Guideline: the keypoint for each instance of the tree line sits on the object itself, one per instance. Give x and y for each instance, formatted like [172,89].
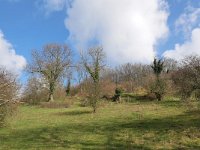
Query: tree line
[52,71]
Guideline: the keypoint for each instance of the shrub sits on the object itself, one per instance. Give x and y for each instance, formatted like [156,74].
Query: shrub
[35,91]
[187,77]
[7,110]
[84,102]
[8,94]
[158,87]
[118,94]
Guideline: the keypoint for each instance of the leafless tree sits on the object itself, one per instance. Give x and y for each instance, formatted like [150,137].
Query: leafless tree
[51,63]
[187,77]
[9,88]
[133,75]
[94,61]
[82,76]
[35,91]
[170,65]
[8,85]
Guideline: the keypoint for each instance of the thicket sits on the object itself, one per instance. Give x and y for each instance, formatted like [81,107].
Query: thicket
[9,88]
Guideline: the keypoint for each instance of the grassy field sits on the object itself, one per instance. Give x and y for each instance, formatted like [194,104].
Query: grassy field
[134,125]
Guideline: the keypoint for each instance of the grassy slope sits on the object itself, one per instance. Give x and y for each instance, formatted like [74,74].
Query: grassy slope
[137,125]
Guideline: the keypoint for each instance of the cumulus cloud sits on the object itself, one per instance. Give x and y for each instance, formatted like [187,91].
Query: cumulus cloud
[189,47]
[127,29]
[8,58]
[188,21]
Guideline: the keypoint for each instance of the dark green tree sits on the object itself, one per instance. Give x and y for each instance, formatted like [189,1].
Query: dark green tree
[158,87]
[158,66]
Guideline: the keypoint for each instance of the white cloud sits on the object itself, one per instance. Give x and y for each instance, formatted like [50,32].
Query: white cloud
[188,21]
[8,58]
[53,5]
[190,47]
[127,29]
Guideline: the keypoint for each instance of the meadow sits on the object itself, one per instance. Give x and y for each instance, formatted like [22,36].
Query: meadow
[169,124]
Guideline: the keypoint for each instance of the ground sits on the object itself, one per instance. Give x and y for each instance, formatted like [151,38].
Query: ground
[170,124]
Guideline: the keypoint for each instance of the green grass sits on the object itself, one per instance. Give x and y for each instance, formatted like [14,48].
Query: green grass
[135,125]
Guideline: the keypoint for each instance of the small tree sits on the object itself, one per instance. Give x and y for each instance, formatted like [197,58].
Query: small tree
[51,63]
[8,93]
[93,62]
[158,87]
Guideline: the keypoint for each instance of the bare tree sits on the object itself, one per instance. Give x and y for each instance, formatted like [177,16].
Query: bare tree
[81,75]
[187,77]
[35,91]
[8,85]
[133,75]
[93,61]
[170,65]
[51,63]
[8,93]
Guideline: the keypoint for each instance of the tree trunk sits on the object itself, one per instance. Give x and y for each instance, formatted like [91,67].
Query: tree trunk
[51,99]
[51,91]
[158,96]
[94,109]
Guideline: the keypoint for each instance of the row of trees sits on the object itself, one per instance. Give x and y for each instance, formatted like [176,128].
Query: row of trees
[52,68]
[53,65]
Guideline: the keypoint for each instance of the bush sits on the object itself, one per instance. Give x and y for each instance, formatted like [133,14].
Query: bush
[118,94]
[8,94]
[187,77]
[7,110]
[85,102]
[35,91]
[158,87]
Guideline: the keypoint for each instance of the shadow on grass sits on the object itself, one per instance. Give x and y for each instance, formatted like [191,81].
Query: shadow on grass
[140,98]
[74,113]
[105,135]
[171,103]
[148,99]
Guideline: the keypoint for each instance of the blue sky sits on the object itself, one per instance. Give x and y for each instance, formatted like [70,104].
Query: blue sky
[129,30]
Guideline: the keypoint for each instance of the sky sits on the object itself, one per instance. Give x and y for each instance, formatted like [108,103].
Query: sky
[132,31]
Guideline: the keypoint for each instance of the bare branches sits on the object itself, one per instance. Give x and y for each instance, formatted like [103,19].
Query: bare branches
[51,63]
[8,93]
[8,85]
[93,62]
[4,102]
[187,77]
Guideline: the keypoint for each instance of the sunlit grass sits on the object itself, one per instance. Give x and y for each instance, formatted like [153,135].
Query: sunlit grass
[135,125]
